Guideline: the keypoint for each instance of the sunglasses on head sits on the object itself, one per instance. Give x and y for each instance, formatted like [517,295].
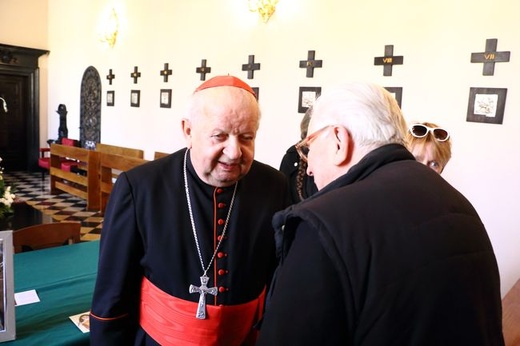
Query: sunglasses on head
[420,131]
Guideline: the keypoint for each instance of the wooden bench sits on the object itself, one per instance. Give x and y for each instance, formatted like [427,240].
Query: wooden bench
[86,185]
[110,165]
[159,154]
[511,316]
[117,150]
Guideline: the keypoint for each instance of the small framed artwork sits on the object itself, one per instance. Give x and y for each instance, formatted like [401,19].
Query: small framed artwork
[135,97]
[397,92]
[486,105]
[307,97]
[257,92]
[111,98]
[165,100]
[7,317]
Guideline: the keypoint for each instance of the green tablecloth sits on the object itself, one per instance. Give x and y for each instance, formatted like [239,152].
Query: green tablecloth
[63,278]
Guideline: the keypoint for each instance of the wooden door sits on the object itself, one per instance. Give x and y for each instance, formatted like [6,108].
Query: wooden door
[15,123]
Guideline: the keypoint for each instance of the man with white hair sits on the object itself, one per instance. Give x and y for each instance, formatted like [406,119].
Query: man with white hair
[386,252]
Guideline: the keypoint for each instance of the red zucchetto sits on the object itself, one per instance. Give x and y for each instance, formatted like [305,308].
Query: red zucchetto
[225,81]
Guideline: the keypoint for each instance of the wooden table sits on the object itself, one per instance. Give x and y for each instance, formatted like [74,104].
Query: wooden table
[24,215]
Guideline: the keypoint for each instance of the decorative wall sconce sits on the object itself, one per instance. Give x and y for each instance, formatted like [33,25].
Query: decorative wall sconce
[265,8]
[110,29]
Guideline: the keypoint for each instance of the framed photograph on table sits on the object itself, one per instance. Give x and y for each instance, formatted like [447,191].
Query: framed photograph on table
[7,317]
[111,98]
[397,92]
[307,97]
[166,98]
[486,105]
[135,96]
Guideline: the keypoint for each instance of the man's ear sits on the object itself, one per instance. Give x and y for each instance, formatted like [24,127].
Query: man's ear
[344,146]
[186,130]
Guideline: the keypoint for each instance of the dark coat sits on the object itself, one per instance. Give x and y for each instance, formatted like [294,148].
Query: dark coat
[388,254]
[147,232]
[289,166]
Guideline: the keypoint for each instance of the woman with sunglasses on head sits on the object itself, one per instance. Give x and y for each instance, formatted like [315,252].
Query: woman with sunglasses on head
[430,144]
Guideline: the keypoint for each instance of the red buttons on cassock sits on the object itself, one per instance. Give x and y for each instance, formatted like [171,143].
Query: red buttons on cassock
[222,289]
[221,221]
[222,272]
[219,190]
[221,254]
[221,205]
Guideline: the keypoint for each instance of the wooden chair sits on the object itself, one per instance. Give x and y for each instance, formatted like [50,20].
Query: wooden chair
[46,235]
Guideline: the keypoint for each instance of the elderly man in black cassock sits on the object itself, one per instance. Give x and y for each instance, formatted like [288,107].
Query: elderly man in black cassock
[187,247]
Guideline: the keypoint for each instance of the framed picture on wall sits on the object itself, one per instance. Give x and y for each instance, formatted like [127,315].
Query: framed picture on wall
[397,92]
[7,317]
[486,105]
[307,97]
[166,98]
[257,92]
[111,98]
[135,96]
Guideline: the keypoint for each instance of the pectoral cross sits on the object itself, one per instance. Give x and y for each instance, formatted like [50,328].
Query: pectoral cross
[203,290]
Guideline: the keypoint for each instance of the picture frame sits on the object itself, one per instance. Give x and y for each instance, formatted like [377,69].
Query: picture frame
[135,98]
[306,98]
[397,92]
[165,99]
[486,105]
[111,98]
[7,305]
[257,92]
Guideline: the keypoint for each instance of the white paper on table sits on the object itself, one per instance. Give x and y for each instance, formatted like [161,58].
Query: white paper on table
[26,297]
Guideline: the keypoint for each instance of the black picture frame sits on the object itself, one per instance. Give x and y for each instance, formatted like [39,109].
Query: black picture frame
[306,98]
[111,97]
[486,105]
[397,92]
[135,98]
[8,325]
[257,92]
[165,98]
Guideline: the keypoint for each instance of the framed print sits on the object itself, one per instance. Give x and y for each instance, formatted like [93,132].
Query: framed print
[486,105]
[135,96]
[110,98]
[166,98]
[257,92]
[307,97]
[7,318]
[397,92]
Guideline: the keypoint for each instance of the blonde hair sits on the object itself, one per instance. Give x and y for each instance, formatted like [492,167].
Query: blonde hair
[442,150]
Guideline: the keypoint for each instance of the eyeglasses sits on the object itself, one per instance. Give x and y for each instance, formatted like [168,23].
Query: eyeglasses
[302,147]
[420,131]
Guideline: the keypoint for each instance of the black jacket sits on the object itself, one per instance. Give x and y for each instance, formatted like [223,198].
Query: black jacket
[388,254]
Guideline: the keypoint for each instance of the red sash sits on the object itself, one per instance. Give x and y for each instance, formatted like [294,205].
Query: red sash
[171,321]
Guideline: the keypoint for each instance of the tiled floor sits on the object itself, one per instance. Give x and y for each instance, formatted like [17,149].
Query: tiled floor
[63,207]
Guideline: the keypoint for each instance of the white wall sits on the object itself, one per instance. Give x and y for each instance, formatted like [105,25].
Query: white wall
[436,39]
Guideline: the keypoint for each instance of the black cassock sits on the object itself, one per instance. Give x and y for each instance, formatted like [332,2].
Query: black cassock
[147,232]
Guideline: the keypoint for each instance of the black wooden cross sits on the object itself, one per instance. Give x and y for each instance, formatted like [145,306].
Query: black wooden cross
[135,74]
[110,76]
[388,60]
[310,64]
[250,67]
[490,57]
[166,72]
[203,69]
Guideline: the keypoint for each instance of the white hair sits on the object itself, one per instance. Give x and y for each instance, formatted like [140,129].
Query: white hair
[369,112]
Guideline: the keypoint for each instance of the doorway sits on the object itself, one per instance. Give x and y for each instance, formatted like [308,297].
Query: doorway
[20,125]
